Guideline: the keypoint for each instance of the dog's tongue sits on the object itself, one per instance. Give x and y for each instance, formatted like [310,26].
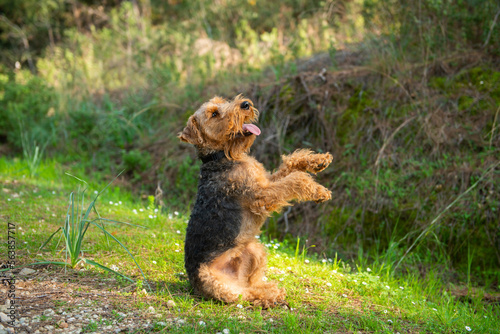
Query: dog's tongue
[251,128]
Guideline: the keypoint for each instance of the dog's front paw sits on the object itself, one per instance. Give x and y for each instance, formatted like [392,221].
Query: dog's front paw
[319,161]
[322,195]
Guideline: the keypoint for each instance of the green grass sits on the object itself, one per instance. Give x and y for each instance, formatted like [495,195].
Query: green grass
[325,295]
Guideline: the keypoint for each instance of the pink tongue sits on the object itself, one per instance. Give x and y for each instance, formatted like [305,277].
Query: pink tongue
[251,128]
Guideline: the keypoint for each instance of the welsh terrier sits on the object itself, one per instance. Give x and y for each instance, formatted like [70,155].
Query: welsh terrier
[223,258]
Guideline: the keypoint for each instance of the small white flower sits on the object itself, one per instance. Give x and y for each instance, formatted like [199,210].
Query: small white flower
[156,210]
[281,279]
[485,317]
[116,204]
[202,323]
[401,288]
[276,246]
[154,216]
[306,261]
[53,192]
[271,320]
[385,311]
[170,216]
[176,213]
[368,269]
[113,267]
[388,287]
[225,331]
[341,275]
[178,232]
[134,211]
[151,216]
[96,192]
[120,202]
[239,306]
[480,82]
[141,210]
[8,199]
[264,278]
[111,202]
[177,244]
[288,268]
[434,309]
[330,260]
[177,251]
[364,283]
[271,268]
[467,327]
[20,228]
[355,281]
[257,236]
[344,295]
[334,271]
[328,284]
[154,262]
[324,260]
[390,321]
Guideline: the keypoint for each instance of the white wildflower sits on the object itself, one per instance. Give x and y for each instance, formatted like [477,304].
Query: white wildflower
[257,236]
[176,213]
[134,211]
[324,260]
[113,267]
[264,278]
[328,284]
[96,192]
[111,202]
[468,328]
[202,323]
[434,309]
[225,331]
[178,232]
[364,283]
[151,216]
[368,269]
[141,210]
[288,268]
[120,202]
[401,288]
[390,321]
[388,287]
[344,295]
[154,262]
[170,216]
[306,261]
[239,306]
[385,311]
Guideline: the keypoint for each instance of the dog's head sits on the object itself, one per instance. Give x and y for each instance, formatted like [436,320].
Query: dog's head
[221,125]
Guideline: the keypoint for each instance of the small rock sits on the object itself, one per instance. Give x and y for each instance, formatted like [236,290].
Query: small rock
[151,309]
[63,325]
[70,319]
[4,317]
[49,312]
[171,304]
[26,271]
[49,327]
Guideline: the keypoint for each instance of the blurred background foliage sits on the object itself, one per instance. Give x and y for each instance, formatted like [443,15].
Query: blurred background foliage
[405,94]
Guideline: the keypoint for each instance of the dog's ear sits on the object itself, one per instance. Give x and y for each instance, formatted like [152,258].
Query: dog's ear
[191,134]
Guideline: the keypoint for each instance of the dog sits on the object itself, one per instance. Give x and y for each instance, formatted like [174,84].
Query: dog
[236,194]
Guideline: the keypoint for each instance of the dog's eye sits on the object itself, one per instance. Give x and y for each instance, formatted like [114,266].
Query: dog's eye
[245,105]
[214,114]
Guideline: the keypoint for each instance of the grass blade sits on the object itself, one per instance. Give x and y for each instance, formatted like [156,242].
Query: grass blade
[107,269]
[133,258]
[48,240]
